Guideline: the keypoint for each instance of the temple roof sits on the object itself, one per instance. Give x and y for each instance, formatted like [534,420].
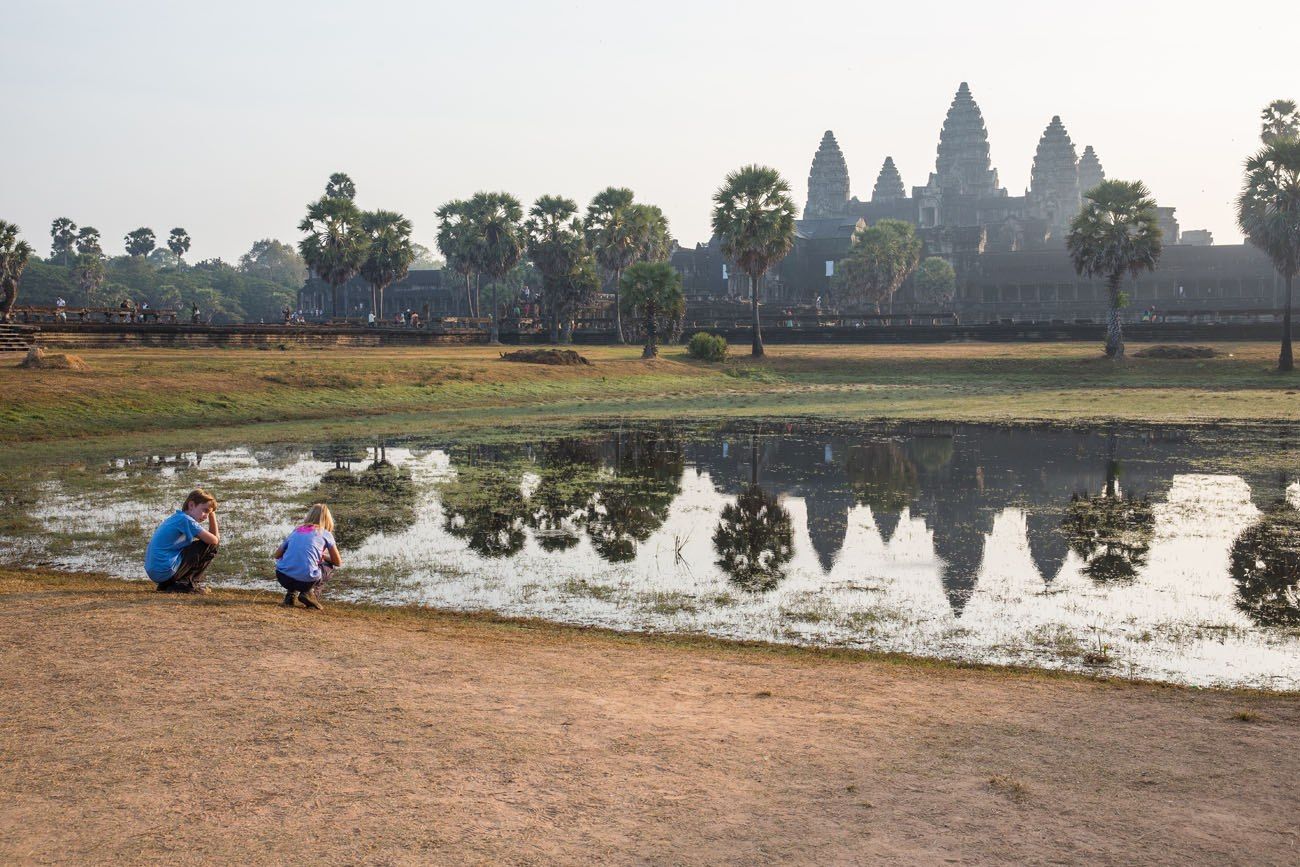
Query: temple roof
[827,227]
[828,180]
[963,163]
[889,183]
[1090,170]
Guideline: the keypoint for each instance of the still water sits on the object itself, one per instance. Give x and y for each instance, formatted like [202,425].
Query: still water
[1144,552]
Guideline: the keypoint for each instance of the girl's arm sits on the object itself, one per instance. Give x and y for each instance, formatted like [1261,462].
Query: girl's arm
[332,553]
[279,552]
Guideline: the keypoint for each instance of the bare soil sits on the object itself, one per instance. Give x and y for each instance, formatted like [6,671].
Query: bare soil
[142,727]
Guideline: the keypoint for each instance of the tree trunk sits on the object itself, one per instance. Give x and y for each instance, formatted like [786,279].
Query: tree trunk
[478,295]
[553,319]
[1114,329]
[651,335]
[618,311]
[10,295]
[469,296]
[379,306]
[334,300]
[756,348]
[1284,362]
[494,335]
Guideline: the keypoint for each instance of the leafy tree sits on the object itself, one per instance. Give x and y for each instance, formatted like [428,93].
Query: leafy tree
[1116,233]
[340,186]
[935,282]
[754,215]
[14,253]
[88,242]
[388,253]
[63,235]
[613,237]
[1268,212]
[754,540]
[652,291]
[1265,564]
[498,243]
[654,241]
[274,261]
[1280,119]
[179,243]
[456,241]
[554,238]
[88,272]
[882,257]
[335,246]
[424,258]
[140,242]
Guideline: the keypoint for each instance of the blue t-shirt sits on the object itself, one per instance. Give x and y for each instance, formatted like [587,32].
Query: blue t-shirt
[163,556]
[302,552]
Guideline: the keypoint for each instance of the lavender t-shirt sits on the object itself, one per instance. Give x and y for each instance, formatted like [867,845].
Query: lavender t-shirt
[302,552]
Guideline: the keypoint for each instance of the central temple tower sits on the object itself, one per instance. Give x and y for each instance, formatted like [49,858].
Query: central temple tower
[963,167]
[1054,180]
[828,181]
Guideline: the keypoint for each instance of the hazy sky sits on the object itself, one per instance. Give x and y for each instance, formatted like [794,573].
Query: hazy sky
[227,118]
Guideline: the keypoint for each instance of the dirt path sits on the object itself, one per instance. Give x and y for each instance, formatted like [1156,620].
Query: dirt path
[138,727]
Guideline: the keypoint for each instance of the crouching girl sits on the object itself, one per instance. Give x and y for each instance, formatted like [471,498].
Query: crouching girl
[306,559]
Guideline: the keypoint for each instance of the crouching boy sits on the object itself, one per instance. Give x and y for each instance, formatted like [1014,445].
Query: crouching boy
[182,547]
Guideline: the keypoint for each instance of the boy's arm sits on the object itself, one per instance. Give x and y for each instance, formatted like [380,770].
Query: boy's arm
[212,535]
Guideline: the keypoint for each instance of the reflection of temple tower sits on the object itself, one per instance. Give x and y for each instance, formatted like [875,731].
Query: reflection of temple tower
[828,523]
[886,523]
[1090,170]
[828,181]
[963,167]
[1054,180]
[1048,546]
[889,184]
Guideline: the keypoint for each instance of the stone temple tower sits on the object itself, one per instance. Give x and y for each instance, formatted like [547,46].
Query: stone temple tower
[828,182]
[1090,170]
[889,183]
[963,166]
[1054,180]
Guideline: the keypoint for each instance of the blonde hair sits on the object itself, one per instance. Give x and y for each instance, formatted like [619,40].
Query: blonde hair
[319,516]
[197,496]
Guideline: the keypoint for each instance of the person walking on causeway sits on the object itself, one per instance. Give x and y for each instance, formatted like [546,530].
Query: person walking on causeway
[181,549]
[306,559]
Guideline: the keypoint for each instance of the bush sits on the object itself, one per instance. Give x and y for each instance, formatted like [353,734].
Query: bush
[707,347]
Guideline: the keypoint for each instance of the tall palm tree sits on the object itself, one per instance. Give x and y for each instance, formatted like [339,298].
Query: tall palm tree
[14,253]
[179,243]
[1268,212]
[1116,233]
[498,242]
[340,186]
[653,237]
[335,246]
[555,244]
[1279,119]
[612,237]
[88,243]
[455,241]
[63,234]
[652,291]
[140,242]
[88,272]
[388,253]
[754,215]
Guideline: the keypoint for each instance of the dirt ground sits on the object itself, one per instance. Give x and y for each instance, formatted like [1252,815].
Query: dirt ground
[140,727]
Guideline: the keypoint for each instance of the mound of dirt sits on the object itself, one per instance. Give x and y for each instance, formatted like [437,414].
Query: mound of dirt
[1166,351]
[563,357]
[39,359]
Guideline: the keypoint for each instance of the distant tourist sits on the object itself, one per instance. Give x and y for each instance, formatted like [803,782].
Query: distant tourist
[182,548]
[307,558]
[194,314]
[370,319]
[287,314]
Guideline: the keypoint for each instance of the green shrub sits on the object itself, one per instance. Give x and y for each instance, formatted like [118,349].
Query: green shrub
[707,347]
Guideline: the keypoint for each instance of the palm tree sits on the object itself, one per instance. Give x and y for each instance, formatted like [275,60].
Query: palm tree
[1116,233]
[389,253]
[140,242]
[340,186]
[1279,119]
[88,242]
[179,243]
[612,237]
[14,253]
[653,292]
[335,246]
[1268,212]
[63,233]
[88,272]
[456,241]
[555,245]
[654,240]
[498,242]
[754,215]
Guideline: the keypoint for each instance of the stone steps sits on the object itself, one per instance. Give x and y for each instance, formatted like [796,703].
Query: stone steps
[12,339]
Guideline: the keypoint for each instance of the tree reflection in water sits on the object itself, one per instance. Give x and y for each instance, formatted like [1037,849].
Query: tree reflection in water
[1111,532]
[378,499]
[883,478]
[754,540]
[630,505]
[557,509]
[486,507]
[1265,563]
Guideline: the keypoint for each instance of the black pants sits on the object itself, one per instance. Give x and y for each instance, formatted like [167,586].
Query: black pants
[195,560]
[293,585]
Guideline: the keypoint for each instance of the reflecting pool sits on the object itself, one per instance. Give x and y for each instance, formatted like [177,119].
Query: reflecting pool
[1140,552]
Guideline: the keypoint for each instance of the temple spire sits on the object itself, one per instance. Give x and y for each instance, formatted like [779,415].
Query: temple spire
[1054,179]
[889,183]
[963,164]
[828,181]
[1090,170]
